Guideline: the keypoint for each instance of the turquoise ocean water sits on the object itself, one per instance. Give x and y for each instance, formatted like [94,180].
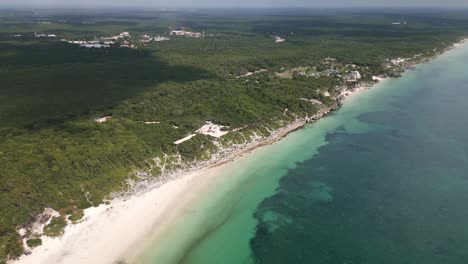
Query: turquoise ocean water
[382,180]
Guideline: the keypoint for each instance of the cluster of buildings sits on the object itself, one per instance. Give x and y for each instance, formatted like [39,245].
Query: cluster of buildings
[122,35]
[397,61]
[251,73]
[87,44]
[147,38]
[42,35]
[348,72]
[112,40]
[104,42]
[349,77]
[393,62]
[187,33]
[160,38]
[123,39]
[353,76]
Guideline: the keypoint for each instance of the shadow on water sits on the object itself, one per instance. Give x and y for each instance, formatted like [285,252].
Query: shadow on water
[381,205]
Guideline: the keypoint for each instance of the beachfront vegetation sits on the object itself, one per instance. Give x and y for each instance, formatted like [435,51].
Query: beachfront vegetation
[56,227]
[34,242]
[52,153]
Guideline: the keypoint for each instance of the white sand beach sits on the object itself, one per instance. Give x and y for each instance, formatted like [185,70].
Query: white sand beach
[110,230]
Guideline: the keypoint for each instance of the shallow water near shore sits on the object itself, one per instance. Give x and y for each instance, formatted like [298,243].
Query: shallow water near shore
[382,180]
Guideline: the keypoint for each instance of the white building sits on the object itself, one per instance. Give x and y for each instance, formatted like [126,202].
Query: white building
[146,38]
[94,46]
[125,34]
[354,75]
[278,39]
[177,33]
[397,61]
[212,129]
[209,129]
[194,34]
[101,119]
[186,33]
[161,38]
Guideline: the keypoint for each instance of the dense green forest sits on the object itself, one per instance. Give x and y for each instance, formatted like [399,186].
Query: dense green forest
[52,153]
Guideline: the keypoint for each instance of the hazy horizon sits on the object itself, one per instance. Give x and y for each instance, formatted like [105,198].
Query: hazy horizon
[234,4]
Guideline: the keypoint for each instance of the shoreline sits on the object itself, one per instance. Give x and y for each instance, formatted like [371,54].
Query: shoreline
[109,231]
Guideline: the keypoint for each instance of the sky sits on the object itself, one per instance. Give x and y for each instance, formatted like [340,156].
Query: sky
[237,3]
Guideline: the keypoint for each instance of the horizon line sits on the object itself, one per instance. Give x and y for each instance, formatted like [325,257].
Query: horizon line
[243,7]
